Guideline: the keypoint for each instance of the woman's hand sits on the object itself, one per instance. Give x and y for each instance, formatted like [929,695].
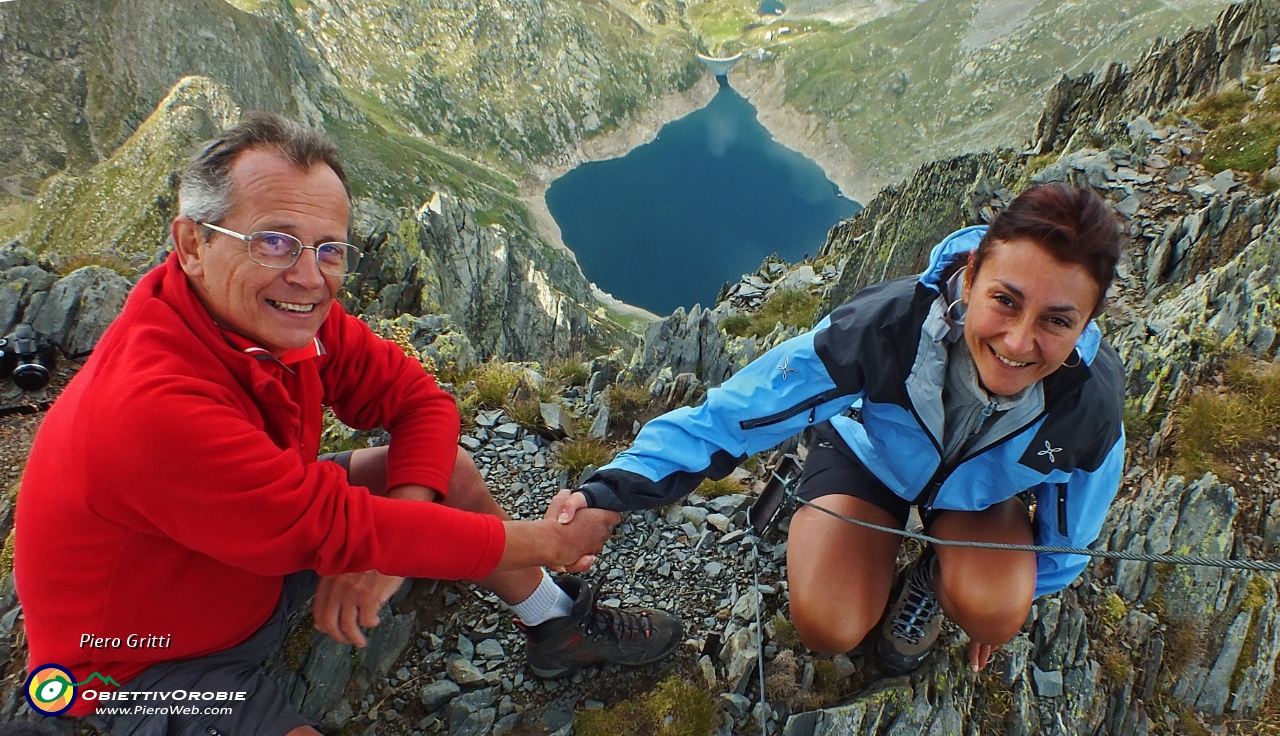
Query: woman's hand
[979,655]
[566,504]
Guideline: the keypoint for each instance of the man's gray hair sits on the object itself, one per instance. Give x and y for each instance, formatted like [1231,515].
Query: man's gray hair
[205,192]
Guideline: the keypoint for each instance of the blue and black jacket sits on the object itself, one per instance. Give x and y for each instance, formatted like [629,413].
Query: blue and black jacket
[872,373]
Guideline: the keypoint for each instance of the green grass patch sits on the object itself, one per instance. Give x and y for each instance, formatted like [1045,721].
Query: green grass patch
[1036,164]
[1214,426]
[790,307]
[570,373]
[720,21]
[106,260]
[627,403]
[1247,146]
[526,412]
[576,456]
[785,634]
[738,325]
[495,382]
[1220,109]
[14,215]
[676,708]
[715,488]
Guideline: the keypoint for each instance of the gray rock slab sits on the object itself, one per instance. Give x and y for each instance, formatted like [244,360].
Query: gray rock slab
[327,671]
[558,421]
[730,504]
[490,649]
[1048,684]
[464,673]
[80,306]
[386,642]
[438,693]
[600,427]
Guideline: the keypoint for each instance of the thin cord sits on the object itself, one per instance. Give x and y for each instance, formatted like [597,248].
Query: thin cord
[755,569]
[1253,565]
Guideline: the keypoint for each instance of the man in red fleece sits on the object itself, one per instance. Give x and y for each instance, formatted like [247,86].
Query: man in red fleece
[174,511]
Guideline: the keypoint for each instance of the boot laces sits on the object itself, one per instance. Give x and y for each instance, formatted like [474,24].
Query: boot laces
[920,608]
[618,625]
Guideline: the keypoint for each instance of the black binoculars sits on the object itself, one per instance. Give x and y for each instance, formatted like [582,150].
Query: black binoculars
[28,358]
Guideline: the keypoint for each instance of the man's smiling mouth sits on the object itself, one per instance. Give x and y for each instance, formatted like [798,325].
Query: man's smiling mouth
[1006,361]
[290,306]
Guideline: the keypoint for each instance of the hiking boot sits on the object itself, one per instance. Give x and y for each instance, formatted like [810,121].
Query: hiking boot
[595,634]
[913,622]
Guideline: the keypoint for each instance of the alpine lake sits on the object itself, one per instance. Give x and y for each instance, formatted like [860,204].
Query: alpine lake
[702,204]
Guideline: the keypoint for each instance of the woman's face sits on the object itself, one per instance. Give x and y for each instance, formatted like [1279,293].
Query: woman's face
[1026,311]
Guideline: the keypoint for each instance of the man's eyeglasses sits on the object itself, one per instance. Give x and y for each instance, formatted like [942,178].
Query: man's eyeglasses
[281,250]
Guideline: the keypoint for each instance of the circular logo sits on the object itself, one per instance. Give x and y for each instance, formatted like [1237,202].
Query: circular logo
[51,689]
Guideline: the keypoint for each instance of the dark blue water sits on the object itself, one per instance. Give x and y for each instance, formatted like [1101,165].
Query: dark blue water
[703,203]
[771,7]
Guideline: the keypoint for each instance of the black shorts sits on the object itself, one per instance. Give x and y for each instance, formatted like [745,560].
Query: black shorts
[830,471]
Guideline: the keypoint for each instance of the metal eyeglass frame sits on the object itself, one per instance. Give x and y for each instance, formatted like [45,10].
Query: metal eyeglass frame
[248,239]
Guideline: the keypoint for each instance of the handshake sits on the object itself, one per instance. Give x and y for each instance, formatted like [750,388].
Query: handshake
[566,539]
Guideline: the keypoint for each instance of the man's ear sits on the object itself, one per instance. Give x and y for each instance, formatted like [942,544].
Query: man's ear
[186,240]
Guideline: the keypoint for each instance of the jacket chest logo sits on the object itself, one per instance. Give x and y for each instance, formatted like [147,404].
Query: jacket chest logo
[786,368]
[1049,450]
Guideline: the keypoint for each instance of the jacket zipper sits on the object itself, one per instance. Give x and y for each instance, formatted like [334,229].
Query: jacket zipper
[810,405]
[1062,509]
[943,472]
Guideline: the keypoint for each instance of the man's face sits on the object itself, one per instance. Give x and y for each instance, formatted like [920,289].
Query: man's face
[279,309]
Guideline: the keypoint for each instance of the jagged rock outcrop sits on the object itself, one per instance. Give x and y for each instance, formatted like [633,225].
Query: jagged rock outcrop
[1169,76]
[82,76]
[73,310]
[505,288]
[690,343]
[435,337]
[119,210]
[893,235]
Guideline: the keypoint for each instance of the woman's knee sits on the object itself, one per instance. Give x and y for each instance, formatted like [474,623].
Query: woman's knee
[989,610]
[828,634]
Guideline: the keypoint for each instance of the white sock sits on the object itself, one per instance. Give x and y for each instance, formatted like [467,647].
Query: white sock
[545,603]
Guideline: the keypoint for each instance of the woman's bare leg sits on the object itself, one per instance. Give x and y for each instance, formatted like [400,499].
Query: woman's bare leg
[987,593]
[839,575]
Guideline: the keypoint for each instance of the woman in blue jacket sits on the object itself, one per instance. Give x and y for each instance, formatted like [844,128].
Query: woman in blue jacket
[964,391]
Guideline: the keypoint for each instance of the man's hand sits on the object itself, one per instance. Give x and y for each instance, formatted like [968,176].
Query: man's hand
[549,543]
[979,655]
[346,602]
[562,509]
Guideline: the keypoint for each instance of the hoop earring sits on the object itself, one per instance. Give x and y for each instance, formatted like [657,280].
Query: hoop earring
[954,321]
[1079,360]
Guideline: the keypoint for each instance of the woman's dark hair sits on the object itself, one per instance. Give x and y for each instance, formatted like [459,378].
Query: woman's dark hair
[1075,225]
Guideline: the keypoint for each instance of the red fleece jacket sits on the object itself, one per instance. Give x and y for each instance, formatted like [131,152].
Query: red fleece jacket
[174,484]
